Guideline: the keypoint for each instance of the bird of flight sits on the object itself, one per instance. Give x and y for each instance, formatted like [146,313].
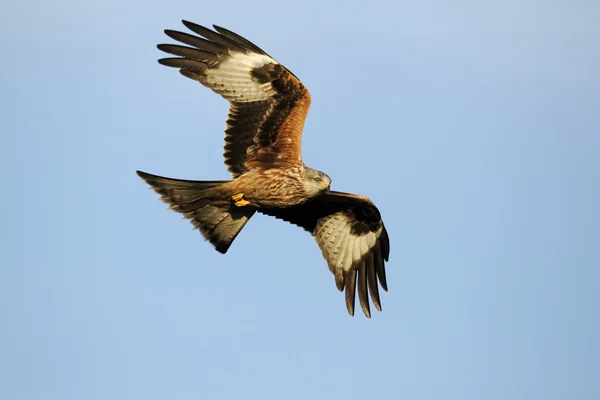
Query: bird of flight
[268,106]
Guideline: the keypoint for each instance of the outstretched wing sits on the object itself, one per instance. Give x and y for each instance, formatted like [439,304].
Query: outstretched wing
[353,239]
[268,103]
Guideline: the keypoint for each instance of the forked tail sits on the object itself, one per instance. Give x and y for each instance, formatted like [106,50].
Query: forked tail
[208,208]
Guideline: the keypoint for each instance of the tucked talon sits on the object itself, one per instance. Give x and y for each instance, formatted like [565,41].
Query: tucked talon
[242,203]
[237,197]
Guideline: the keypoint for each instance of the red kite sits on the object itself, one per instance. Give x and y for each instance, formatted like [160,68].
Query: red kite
[262,150]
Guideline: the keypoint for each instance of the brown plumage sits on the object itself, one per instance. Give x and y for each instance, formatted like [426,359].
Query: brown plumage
[268,106]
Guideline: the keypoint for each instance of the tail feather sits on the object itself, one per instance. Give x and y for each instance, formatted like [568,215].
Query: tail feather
[205,204]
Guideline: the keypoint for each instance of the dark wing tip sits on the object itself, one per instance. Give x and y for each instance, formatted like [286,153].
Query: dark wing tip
[363,295]
[169,62]
[350,309]
[350,293]
[242,41]
[372,279]
[385,241]
[222,247]
[215,37]
[366,310]
[200,30]
[190,25]
[380,268]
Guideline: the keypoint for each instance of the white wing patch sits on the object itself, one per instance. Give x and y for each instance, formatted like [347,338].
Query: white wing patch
[233,79]
[343,249]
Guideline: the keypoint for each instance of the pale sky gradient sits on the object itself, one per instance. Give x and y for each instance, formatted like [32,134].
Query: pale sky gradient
[474,126]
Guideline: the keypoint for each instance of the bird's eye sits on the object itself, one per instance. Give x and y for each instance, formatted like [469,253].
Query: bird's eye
[317,179]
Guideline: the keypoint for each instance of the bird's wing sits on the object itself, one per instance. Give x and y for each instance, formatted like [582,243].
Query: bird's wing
[353,239]
[268,103]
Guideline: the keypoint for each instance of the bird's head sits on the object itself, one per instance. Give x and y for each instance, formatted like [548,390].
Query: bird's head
[316,181]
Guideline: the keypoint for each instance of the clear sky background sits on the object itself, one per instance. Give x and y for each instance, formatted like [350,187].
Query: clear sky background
[474,126]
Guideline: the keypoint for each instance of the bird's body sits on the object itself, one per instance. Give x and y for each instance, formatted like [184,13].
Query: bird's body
[280,187]
[268,106]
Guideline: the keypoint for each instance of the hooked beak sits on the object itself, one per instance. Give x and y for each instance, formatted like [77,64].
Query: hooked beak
[324,185]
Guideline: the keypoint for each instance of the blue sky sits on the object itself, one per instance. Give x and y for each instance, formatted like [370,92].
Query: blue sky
[474,126]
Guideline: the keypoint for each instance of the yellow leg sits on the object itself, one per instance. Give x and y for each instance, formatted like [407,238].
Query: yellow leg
[239,200]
